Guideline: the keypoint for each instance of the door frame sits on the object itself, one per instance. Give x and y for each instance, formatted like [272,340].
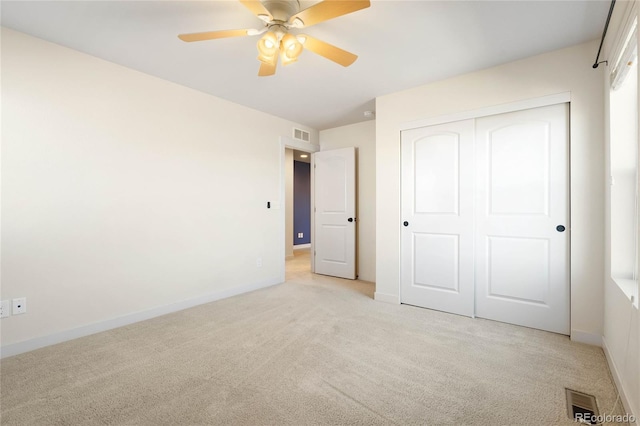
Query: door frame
[559,98]
[288,142]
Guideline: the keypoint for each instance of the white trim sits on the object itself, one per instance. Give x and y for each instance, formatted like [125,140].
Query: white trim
[619,384]
[312,231]
[299,145]
[399,207]
[543,101]
[585,337]
[86,330]
[287,142]
[629,288]
[301,246]
[386,298]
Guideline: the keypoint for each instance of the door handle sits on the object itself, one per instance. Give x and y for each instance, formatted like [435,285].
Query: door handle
[405,223]
[560,228]
[351,219]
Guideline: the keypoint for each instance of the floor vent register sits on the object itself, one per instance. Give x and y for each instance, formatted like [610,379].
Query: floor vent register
[582,407]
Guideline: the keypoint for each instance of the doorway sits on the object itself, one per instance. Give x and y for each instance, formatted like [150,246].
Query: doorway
[298,210]
[287,148]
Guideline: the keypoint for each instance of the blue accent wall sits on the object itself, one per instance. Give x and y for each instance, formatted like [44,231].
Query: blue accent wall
[301,202]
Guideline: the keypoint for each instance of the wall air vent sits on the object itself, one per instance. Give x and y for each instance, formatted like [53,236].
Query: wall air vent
[301,135]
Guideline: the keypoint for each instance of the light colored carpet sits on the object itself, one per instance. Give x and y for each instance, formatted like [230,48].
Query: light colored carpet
[315,350]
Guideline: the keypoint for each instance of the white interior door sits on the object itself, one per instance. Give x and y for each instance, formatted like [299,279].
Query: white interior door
[437,216]
[522,218]
[334,183]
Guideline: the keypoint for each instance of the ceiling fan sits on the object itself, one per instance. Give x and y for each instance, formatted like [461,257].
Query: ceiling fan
[279,17]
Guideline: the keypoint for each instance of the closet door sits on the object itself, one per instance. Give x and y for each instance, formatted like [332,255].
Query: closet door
[437,217]
[522,218]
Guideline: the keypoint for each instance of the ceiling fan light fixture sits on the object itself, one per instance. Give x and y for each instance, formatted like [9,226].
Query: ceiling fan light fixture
[269,60]
[286,60]
[268,48]
[280,16]
[290,49]
[291,44]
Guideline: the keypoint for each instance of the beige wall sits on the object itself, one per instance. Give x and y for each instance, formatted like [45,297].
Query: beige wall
[124,193]
[566,70]
[363,137]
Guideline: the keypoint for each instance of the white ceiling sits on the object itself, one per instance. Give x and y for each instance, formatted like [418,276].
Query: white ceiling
[401,44]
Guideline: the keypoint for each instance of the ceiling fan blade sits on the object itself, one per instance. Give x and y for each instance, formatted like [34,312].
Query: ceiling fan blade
[266,69]
[258,9]
[328,9]
[210,35]
[329,51]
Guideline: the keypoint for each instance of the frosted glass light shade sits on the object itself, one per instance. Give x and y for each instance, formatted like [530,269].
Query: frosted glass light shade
[290,49]
[268,48]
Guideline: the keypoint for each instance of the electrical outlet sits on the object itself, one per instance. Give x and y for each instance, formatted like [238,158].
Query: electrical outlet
[19,305]
[5,308]
[300,234]
[259,262]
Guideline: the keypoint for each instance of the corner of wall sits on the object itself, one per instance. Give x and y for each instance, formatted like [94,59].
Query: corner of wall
[585,337]
[386,298]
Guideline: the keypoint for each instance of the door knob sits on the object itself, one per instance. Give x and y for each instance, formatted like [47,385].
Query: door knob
[405,223]
[560,228]
[350,219]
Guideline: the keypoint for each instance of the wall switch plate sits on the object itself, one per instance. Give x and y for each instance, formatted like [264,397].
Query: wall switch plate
[5,308]
[300,234]
[19,305]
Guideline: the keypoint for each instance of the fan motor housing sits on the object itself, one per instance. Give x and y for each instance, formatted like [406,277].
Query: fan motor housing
[282,10]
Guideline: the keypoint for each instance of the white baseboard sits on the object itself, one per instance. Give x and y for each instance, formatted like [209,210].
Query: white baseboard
[86,330]
[301,246]
[386,298]
[619,384]
[585,337]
